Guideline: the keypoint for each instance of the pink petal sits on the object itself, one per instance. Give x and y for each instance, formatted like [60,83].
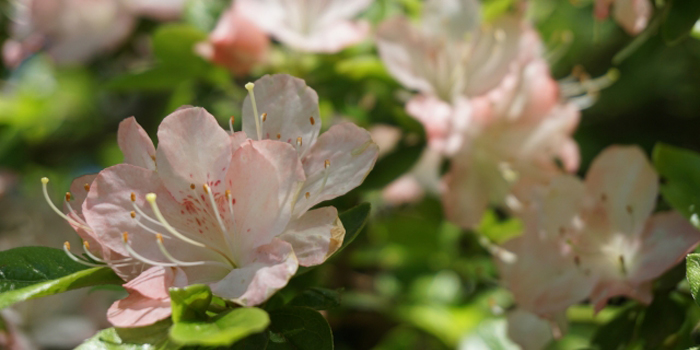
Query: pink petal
[404,51]
[626,184]
[528,330]
[607,289]
[350,153]
[193,150]
[267,270]
[315,236]
[469,191]
[237,140]
[404,190]
[545,278]
[632,15]
[667,238]
[560,205]
[264,177]
[148,301]
[451,18]
[291,107]
[494,50]
[161,10]
[445,124]
[236,43]
[135,144]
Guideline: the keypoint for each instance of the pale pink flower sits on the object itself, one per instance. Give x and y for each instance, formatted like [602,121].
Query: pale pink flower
[236,43]
[386,137]
[450,54]
[512,147]
[608,222]
[71,31]
[632,15]
[282,108]
[205,207]
[529,330]
[325,26]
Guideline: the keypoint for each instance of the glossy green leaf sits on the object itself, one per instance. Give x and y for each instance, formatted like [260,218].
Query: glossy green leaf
[680,19]
[225,329]
[190,303]
[317,299]
[33,272]
[299,328]
[153,337]
[693,273]
[680,185]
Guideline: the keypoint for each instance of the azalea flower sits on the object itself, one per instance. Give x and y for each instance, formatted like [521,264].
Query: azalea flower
[324,26]
[234,231]
[236,43]
[511,145]
[282,108]
[608,222]
[74,31]
[451,54]
[71,31]
[632,15]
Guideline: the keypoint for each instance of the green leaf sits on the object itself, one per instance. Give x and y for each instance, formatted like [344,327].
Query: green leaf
[299,328]
[317,299]
[257,341]
[190,303]
[499,231]
[154,337]
[225,329]
[680,19]
[617,333]
[33,272]
[693,274]
[174,44]
[662,320]
[680,172]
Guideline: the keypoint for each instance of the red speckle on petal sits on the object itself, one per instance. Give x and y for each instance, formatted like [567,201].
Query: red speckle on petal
[217,183]
[191,175]
[200,231]
[182,212]
[248,230]
[289,141]
[233,201]
[199,223]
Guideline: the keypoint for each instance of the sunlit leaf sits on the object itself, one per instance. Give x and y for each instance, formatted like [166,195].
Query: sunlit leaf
[224,329]
[680,173]
[190,303]
[154,337]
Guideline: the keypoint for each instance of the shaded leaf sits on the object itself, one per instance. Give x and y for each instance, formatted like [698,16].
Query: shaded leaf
[680,19]
[154,337]
[299,328]
[317,299]
[680,186]
[225,329]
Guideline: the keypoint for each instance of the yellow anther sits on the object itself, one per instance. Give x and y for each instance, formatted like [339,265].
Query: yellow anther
[133,214]
[86,187]
[44,180]
[86,244]
[133,197]
[68,196]
[67,245]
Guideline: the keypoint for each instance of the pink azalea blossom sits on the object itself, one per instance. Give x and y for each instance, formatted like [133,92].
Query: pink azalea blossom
[162,10]
[71,31]
[451,54]
[210,207]
[324,26]
[512,145]
[608,222]
[530,331]
[282,108]
[632,15]
[423,178]
[236,43]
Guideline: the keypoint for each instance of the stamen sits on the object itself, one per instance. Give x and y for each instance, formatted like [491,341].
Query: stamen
[307,195]
[143,215]
[279,136]
[86,187]
[161,246]
[250,87]
[264,117]
[66,249]
[311,119]
[86,249]
[143,226]
[218,216]
[77,217]
[230,124]
[68,197]
[44,182]
[299,143]
[151,198]
[137,256]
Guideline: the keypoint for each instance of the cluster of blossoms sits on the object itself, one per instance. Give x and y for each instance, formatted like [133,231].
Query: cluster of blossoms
[489,104]
[74,31]
[241,38]
[228,209]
